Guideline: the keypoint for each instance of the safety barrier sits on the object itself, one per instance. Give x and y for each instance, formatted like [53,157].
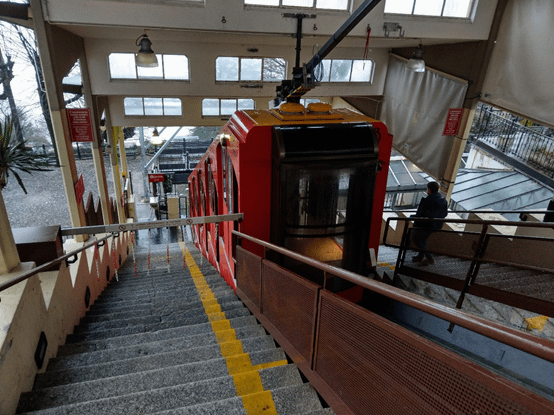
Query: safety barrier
[39,307]
[361,362]
[479,242]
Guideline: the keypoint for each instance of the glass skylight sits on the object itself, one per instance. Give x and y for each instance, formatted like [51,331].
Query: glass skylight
[171,67]
[307,4]
[152,106]
[344,70]
[438,8]
[230,68]
[214,107]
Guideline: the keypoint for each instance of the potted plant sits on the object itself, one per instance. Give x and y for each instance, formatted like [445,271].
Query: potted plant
[15,157]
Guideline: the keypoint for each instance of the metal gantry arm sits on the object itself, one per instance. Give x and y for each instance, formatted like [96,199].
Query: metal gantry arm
[302,77]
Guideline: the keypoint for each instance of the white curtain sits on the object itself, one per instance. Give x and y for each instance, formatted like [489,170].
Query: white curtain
[520,76]
[415,109]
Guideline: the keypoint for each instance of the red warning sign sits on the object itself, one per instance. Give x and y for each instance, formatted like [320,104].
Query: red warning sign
[452,121]
[80,125]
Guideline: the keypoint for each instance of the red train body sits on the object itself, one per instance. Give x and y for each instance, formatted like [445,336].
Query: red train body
[312,182]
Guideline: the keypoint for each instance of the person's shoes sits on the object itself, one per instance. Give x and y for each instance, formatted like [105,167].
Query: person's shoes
[417,258]
[428,261]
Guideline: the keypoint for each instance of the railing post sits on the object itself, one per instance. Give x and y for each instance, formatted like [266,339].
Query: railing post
[473,269]
[403,248]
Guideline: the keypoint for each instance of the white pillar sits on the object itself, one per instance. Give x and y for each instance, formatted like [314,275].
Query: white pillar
[9,258]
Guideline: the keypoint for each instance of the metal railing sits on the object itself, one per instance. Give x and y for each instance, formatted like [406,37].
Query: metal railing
[134,226]
[534,146]
[346,349]
[481,245]
[48,265]
[526,342]
[113,231]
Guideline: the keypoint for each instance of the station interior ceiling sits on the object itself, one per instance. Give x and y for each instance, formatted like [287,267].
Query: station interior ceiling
[204,30]
[475,50]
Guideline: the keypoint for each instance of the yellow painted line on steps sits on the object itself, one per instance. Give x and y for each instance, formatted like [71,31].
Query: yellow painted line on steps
[246,376]
[386,264]
[537,322]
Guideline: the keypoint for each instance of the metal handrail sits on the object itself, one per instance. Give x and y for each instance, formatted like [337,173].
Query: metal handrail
[46,266]
[485,223]
[134,226]
[476,211]
[115,229]
[541,348]
[545,225]
[479,249]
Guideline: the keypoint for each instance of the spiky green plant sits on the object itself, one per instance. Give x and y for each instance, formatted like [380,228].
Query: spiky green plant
[15,155]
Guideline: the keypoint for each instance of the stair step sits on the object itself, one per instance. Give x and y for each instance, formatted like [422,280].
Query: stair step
[175,288]
[223,295]
[147,402]
[148,348]
[163,324]
[116,293]
[168,289]
[164,313]
[302,400]
[140,338]
[276,377]
[142,363]
[295,399]
[145,281]
[148,309]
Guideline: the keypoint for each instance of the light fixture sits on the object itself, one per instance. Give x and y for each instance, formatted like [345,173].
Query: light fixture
[145,57]
[156,139]
[416,63]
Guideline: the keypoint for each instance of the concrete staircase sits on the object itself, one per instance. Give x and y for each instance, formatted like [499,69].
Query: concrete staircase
[170,343]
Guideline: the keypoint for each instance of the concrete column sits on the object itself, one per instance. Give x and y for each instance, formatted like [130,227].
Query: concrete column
[58,51]
[447,182]
[100,169]
[69,170]
[122,153]
[145,192]
[9,258]
[97,156]
[115,132]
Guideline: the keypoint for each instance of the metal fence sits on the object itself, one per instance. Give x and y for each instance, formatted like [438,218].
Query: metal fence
[515,137]
[82,151]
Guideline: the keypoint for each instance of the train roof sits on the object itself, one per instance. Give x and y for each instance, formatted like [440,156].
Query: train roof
[278,117]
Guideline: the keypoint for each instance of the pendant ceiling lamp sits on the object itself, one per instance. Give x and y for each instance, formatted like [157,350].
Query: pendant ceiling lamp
[156,139]
[145,57]
[416,63]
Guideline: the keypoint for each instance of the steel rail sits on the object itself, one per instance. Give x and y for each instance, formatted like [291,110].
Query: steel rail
[134,226]
[46,266]
[112,230]
[541,348]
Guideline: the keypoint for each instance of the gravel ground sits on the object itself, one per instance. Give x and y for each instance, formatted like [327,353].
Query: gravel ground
[45,202]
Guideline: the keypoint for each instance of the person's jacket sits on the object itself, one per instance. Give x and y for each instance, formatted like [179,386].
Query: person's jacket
[433,206]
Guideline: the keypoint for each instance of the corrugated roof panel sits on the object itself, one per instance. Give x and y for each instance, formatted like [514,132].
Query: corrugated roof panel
[505,190]
[402,176]
[485,179]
